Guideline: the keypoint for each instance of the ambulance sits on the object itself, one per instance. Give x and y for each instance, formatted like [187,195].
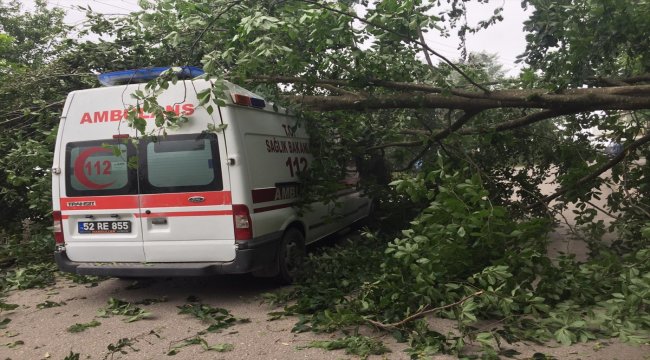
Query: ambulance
[192,202]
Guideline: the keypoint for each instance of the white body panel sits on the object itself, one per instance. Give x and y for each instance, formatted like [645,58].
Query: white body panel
[255,161]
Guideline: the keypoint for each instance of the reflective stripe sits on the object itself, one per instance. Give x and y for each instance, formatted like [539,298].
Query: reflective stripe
[275,207]
[186,213]
[100,202]
[147,201]
[263,195]
[182,199]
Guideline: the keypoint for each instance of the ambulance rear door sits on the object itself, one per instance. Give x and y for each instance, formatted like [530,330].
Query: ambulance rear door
[98,189]
[186,204]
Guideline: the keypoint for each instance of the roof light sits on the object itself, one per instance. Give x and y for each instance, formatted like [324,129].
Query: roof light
[244,100]
[258,103]
[143,75]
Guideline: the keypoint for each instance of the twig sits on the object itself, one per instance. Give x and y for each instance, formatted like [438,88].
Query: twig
[60,102]
[422,313]
[440,135]
[340,91]
[211,24]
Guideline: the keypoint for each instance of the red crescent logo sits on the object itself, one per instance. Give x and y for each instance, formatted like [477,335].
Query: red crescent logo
[79,168]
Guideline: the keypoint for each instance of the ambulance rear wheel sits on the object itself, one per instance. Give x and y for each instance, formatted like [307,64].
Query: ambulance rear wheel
[290,255]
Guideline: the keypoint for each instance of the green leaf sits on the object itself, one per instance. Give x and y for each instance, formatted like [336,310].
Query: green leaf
[77,328]
[564,336]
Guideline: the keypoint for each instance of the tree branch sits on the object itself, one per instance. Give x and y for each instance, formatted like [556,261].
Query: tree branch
[455,126]
[422,313]
[614,98]
[56,103]
[338,90]
[440,135]
[396,144]
[517,123]
[601,169]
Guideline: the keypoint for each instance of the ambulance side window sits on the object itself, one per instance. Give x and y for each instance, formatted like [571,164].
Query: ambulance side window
[182,163]
[95,168]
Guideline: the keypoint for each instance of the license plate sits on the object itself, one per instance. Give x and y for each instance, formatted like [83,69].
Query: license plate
[104,227]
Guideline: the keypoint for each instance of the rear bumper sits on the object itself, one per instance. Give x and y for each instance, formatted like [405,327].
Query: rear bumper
[250,256]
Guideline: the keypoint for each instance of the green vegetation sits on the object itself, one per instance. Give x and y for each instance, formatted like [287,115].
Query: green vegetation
[197,340]
[121,346]
[77,328]
[361,346]
[72,356]
[14,344]
[4,322]
[217,318]
[49,304]
[123,308]
[31,276]
[7,307]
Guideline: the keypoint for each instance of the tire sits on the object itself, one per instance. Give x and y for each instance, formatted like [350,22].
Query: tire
[290,255]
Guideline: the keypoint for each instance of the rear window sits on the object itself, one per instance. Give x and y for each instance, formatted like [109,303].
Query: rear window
[176,163]
[95,168]
[179,163]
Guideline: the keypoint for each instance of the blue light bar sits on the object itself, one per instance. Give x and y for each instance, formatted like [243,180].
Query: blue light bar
[144,75]
[257,103]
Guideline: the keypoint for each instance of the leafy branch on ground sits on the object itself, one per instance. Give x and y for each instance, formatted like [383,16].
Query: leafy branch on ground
[31,276]
[198,340]
[72,356]
[49,304]
[4,322]
[89,280]
[77,328]
[361,346]
[14,344]
[466,259]
[217,318]
[7,307]
[123,308]
[121,347]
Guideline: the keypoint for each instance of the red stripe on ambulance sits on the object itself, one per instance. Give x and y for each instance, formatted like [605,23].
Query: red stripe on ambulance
[186,213]
[100,202]
[206,198]
[184,199]
[269,208]
[263,195]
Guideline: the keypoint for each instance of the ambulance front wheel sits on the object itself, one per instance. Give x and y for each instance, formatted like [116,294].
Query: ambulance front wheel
[290,255]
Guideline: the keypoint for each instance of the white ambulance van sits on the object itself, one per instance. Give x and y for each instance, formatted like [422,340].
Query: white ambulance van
[189,203]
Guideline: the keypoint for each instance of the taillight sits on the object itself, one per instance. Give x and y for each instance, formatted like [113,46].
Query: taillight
[241,218]
[58,228]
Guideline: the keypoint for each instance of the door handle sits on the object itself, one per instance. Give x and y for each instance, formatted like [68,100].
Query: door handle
[196,199]
[159,221]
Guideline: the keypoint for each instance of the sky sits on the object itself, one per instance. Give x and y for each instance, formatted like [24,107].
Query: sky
[506,38]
